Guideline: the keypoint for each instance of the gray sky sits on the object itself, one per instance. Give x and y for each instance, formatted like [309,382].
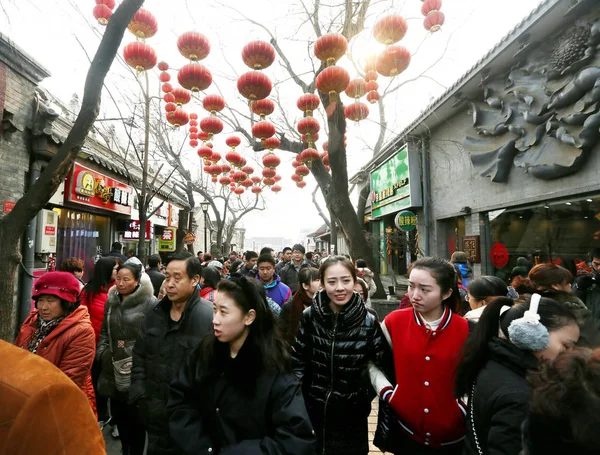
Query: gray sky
[49,31]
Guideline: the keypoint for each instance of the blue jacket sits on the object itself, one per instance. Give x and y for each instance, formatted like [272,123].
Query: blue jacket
[277,291]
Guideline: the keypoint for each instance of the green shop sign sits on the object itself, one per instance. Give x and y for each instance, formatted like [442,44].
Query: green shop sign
[391,185]
[406,221]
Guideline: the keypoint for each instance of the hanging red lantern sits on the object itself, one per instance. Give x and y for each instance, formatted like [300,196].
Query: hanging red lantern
[213,103]
[248,169]
[239,191]
[193,143]
[208,144]
[215,170]
[256,190]
[226,168]
[102,13]
[242,162]
[434,21]
[193,46]
[371,76]
[246,183]
[239,176]
[182,96]
[262,108]
[325,159]
[255,179]
[254,85]
[140,56]
[205,152]
[311,138]
[276,188]
[356,88]
[165,77]
[333,80]
[295,163]
[167,88]
[269,173]
[194,116]
[144,24]
[302,170]
[194,77]
[193,122]
[177,118]
[225,180]
[211,125]
[301,184]
[263,130]
[215,157]
[296,178]
[325,145]
[234,158]
[372,97]
[258,55]
[193,135]
[308,103]
[271,160]
[233,141]
[308,155]
[371,86]
[163,66]
[109,3]
[277,178]
[393,61]
[271,143]
[193,129]
[169,98]
[390,29]
[204,137]
[170,107]
[430,5]
[330,48]
[356,111]
[308,126]
[269,181]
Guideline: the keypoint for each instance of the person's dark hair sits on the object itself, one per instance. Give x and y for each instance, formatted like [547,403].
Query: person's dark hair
[445,276]
[135,269]
[154,260]
[250,255]
[207,257]
[116,246]
[211,276]
[287,248]
[365,289]
[361,263]
[193,266]
[299,247]
[233,252]
[309,256]
[476,351]
[541,278]
[332,260]
[102,276]
[266,250]
[266,258]
[595,253]
[263,331]
[235,266]
[199,253]
[566,401]
[72,265]
[306,276]
[487,286]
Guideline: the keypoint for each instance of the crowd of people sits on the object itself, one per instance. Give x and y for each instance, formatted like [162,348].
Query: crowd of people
[282,353]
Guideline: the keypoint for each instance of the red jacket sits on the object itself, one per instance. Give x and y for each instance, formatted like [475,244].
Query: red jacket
[70,347]
[95,306]
[425,362]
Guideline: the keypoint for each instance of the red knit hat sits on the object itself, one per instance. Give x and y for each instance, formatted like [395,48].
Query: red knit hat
[63,285]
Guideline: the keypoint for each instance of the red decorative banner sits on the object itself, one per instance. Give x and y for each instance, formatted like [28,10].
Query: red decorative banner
[499,255]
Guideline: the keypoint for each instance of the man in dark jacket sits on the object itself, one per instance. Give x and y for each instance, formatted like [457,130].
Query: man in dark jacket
[116,252]
[289,273]
[170,332]
[249,262]
[286,257]
[156,276]
[587,287]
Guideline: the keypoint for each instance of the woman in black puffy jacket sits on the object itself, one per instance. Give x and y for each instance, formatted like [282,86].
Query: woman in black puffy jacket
[337,339]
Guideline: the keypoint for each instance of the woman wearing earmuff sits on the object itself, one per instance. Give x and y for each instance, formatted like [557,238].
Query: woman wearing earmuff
[506,344]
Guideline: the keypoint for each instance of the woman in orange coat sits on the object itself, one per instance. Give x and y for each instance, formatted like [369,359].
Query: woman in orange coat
[60,330]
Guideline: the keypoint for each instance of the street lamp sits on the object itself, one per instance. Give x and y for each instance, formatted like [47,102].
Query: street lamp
[204,205]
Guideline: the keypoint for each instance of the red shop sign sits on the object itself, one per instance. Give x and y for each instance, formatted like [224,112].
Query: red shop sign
[93,189]
[133,233]
[499,255]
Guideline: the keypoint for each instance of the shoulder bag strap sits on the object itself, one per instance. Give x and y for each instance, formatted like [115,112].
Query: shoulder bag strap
[471,405]
[108,328]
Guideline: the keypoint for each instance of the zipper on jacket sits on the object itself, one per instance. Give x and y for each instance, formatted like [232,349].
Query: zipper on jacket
[335,323]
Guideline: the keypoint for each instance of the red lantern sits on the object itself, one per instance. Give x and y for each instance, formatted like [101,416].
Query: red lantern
[209,144]
[271,160]
[430,5]
[276,188]
[163,66]
[269,181]
[371,76]
[308,126]
[246,183]
[194,77]
[256,179]
[102,13]
[356,111]
[296,178]
[193,122]
[205,152]
[140,56]
[215,157]
[109,3]
[204,137]
[308,155]
[256,190]
[308,103]
[177,118]
[193,130]
[226,168]
[263,108]
[258,55]
[165,77]
[271,143]
[372,97]
[311,138]
[390,29]
[248,169]
[225,180]
[333,80]
[263,130]
[170,107]
[393,61]
[356,88]
[269,173]
[193,45]
[167,88]
[143,25]
[301,184]
[211,125]
[302,170]
[434,21]
[169,98]
[233,141]
[239,176]
[182,96]
[254,85]
[239,191]
[194,143]
[330,48]
[296,163]
[215,170]
[325,159]
[371,86]
[325,145]
[213,103]
[193,136]
[277,178]
[194,116]
[234,158]
[214,179]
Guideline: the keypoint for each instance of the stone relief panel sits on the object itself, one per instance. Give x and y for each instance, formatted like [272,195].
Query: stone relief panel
[544,115]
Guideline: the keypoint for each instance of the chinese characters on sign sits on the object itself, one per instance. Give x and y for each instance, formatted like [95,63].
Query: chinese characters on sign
[133,233]
[388,192]
[167,240]
[406,221]
[471,246]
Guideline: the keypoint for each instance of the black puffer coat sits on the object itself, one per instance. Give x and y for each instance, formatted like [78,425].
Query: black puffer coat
[157,358]
[501,401]
[331,357]
[125,322]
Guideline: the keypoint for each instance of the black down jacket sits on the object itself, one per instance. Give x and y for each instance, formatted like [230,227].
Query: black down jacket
[331,357]
[159,353]
[125,322]
[501,401]
[234,407]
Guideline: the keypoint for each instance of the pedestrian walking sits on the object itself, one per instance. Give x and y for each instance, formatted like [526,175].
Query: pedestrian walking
[274,288]
[209,282]
[74,266]
[156,276]
[116,250]
[337,339]
[309,284]
[250,258]
[461,260]
[289,273]
[482,291]
[366,274]
[236,393]
[286,257]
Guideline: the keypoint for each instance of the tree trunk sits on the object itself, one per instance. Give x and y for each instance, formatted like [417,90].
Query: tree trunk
[15,223]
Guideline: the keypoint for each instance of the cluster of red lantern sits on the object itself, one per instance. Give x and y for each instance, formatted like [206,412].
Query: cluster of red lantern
[138,54]
[357,111]
[175,98]
[333,79]
[434,18]
[394,59]
[103,10]
[308,127]
[372,86]
[194,46]
[255,85]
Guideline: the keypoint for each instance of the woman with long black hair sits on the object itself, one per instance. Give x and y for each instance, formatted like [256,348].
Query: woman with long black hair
[291,312]
[236,393]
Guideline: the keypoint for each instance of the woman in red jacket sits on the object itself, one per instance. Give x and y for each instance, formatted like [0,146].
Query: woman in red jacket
[59,329]
[95,293]
[425,418]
